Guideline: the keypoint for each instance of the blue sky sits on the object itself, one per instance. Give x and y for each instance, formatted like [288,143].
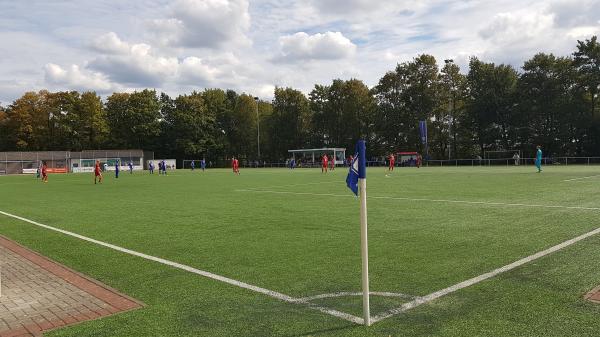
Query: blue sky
[252,46]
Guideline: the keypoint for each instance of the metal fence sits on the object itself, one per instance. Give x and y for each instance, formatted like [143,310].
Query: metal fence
[439,163]
[514,162]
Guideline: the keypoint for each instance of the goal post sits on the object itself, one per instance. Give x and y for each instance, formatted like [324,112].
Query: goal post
[187,163]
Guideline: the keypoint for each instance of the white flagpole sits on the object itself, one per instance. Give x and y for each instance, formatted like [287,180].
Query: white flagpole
[364,247]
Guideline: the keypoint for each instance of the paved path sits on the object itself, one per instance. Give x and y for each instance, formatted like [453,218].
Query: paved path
[39,294]
[594,295]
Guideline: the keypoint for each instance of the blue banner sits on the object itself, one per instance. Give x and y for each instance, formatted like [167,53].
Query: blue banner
[423,131]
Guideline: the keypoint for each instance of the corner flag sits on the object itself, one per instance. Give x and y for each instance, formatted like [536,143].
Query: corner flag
[357,176]
[352,178]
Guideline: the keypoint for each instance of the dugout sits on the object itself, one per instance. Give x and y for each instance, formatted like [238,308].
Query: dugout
[407,158]
[85,161]
[28,162]
[313,156]
[67,161]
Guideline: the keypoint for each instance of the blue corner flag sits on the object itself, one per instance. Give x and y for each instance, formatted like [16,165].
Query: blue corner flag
[357,167]
[352,178]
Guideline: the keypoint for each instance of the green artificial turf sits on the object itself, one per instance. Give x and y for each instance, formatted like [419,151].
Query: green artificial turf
[305,241]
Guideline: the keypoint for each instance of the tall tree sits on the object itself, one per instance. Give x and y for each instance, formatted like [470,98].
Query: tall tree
[490,106]
[342,113]
[549,113]
[94,127]
[289,126]
[192,126]
[134,118]
[587,61]
[450,112]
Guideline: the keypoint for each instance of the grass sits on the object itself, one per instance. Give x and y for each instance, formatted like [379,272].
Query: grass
[302,244]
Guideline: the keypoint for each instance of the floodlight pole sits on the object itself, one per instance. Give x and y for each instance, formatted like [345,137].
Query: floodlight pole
[257,128]
[364,247]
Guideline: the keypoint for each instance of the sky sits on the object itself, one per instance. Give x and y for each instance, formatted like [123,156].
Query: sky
[253,46]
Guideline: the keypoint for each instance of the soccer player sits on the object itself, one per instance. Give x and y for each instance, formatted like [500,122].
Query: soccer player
[538,159]
[392,162]
[97,173]
[203,165]
[117,169]
[516,158]
[151,167]
[333,163]
[44,172]
[324,165]
[235,164]
[130,167]
[419,160]
[164,167]
[193,165]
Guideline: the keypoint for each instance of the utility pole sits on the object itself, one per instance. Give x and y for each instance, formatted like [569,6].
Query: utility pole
[257,128]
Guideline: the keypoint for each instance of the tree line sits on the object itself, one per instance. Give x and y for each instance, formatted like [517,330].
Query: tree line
[551,101]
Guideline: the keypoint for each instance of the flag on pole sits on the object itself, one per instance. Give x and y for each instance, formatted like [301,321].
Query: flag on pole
[352,178]
[357,182]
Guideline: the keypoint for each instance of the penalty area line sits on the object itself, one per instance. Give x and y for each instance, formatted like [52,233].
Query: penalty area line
[488,203]
[271,293]
[435,295]
[588,177]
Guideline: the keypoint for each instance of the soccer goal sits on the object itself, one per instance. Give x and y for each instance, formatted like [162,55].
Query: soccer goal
[187,163]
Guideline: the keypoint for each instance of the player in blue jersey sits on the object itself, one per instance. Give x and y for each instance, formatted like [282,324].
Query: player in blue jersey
[130,167]
[193,165]
[117,169]
[538,159]
[203,165]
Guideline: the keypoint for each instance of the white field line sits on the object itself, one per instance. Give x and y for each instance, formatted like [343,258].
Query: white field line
[489,203]
[428,298]
[588,177]
[207,274]
[294,185]
[347,293]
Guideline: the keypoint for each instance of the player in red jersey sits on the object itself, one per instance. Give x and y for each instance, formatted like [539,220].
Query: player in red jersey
[324,161]
[392,162]
[97,173]
[332,163]
[44,172]
[235,164]
[419,160]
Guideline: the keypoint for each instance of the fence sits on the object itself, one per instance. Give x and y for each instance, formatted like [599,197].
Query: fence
[514,162]
[436,163]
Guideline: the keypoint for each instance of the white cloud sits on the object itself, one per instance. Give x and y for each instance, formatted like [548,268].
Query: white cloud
[194,70]
[110,43]
[517,26]
[137,67]
[320,46]
[204,23]
[583,32]
[74,78]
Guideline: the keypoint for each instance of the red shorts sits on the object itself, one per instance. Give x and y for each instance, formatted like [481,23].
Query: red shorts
[97,173]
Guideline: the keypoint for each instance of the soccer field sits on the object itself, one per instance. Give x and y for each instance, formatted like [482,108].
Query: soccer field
[288,244]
